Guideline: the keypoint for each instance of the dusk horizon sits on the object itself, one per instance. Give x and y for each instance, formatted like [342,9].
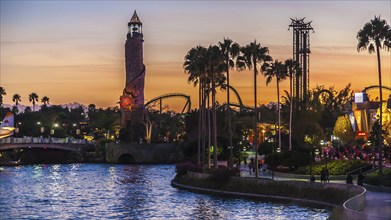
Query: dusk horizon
[74,51]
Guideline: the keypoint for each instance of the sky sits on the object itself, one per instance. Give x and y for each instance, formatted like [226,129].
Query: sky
[73,51]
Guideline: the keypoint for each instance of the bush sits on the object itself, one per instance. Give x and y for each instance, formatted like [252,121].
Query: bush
[288,158]
[221,175]
[376,180]
[182,168]
[335,167]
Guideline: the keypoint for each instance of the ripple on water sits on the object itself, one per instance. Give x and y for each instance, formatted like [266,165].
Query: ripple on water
[104,191]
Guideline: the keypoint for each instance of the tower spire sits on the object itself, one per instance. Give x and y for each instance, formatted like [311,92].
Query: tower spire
[135,19]
[135,25]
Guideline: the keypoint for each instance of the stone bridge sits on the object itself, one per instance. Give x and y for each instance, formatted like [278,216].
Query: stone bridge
[33,150]
[154,153]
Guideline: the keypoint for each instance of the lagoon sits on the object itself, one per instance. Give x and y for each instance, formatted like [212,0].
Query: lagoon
[111,191]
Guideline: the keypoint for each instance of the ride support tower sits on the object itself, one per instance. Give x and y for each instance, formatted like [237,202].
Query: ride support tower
[301,54]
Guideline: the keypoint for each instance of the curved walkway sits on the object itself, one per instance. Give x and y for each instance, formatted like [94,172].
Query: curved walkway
[377,203]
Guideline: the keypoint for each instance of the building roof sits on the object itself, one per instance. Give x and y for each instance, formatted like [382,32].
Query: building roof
[135,19]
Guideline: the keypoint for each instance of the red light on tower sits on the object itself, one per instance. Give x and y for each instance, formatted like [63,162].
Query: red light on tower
[126,102]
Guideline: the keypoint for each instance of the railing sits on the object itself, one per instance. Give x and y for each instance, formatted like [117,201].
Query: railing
[39,140]
[361,169]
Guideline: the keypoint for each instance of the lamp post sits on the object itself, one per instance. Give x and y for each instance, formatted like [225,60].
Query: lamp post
[311,157]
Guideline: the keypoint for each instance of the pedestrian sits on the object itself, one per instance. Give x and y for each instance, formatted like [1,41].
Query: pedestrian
[360,179]
[312,179]
[349,179]
[323,176]
[251,165]
[327,175]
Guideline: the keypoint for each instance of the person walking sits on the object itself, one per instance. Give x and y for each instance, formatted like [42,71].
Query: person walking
[312,179]
[251,165]
[323,176]
[327,175]
[360,179]
[349,179]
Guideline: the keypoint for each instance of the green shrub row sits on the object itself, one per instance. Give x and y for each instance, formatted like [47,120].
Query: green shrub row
[335,167]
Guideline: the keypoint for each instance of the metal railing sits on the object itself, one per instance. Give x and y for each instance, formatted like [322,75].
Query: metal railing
[39,140]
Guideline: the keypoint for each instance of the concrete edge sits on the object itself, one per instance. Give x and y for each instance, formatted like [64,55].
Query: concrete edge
[248,195]
[377,188]
[348,212]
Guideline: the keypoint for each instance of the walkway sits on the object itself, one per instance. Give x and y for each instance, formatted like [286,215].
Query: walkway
[377,203]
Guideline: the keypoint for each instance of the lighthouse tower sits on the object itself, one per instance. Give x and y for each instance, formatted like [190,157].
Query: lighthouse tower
[132,99]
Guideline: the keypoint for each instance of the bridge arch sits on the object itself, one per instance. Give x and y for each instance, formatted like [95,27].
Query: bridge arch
[126,158]
[170,95]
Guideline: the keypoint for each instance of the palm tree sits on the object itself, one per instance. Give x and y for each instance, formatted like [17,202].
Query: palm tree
[376,34]
[2,93]
[254,54]
[293,70]
[276,70]
[33,97]
[230,51]
[45,100]
[16,99]
[194,65]
[214,68]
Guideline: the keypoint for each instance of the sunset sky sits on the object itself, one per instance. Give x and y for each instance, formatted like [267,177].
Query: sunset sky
[73,51]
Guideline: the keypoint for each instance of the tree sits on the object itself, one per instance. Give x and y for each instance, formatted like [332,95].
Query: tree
[2,93]
[33,97]
[45,100]
[194,65]
[376,34]
[343,129]
[293,70]
[230,50]
[253,54]
[215,66]
[276,70]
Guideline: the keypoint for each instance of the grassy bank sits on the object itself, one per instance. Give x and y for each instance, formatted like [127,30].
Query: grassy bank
[316,192]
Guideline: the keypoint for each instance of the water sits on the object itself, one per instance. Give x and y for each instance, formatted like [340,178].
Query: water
[105,191]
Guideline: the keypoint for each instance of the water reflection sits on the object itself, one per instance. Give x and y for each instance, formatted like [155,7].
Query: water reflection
[103,191]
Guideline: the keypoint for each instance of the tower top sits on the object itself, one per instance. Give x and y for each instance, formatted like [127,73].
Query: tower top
[135,19]
[135,25]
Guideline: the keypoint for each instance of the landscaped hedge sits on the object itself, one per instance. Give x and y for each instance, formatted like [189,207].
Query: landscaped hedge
[335,167]
[376,180]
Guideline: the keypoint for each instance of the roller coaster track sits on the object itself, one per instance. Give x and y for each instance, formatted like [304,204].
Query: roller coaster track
[374,87]
[170,95]
[188,101]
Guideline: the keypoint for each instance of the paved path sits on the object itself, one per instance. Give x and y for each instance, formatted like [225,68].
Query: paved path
[377,203]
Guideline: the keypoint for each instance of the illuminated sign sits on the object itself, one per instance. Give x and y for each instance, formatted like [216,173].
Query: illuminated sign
[358,97]
[362,133]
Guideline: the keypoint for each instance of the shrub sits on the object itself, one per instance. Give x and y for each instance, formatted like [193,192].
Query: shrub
[221,175]
[335,167]
[182,168]
[376,180]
